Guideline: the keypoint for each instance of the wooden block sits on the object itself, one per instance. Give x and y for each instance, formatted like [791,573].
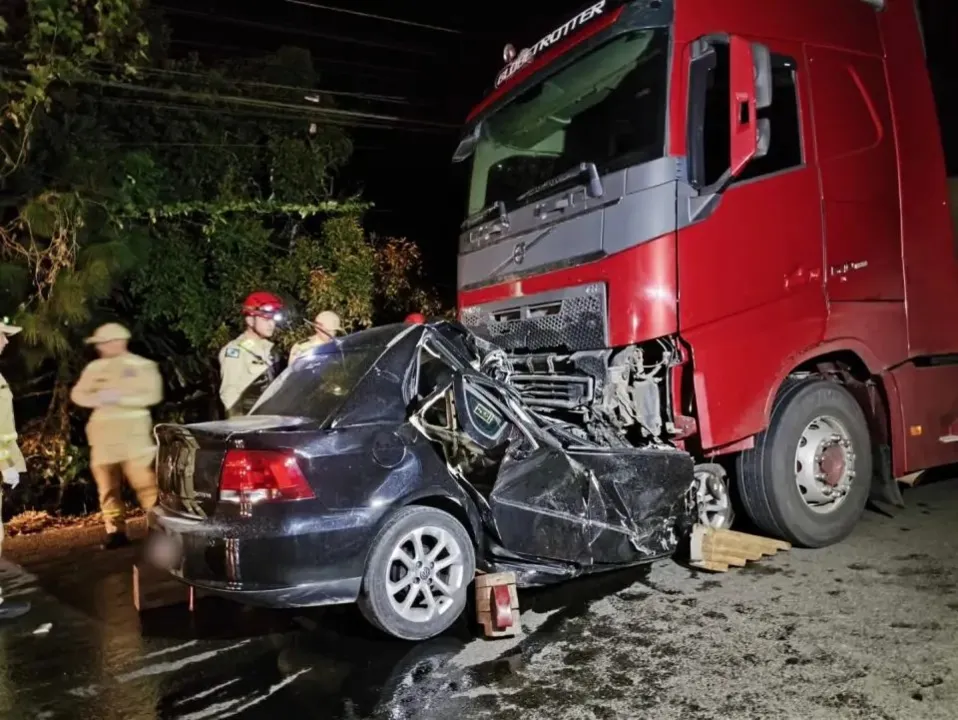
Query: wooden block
[484,580]
[710,565]
[484,598]
[485,585]
[728,559]
[746,538]
[717,550]
[750,551]
[490,631]
[154,588]
[911,479]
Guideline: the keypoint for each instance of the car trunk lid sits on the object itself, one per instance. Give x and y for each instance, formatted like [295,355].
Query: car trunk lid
[190,458]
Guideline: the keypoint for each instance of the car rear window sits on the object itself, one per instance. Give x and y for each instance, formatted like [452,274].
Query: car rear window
[315,386]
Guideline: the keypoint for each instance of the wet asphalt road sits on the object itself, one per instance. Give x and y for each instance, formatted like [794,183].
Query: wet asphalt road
[868,629]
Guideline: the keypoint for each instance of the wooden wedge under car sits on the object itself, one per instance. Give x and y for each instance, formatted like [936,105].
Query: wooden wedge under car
[718,550]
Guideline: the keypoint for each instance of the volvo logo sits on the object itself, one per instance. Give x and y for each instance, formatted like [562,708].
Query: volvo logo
[519,253]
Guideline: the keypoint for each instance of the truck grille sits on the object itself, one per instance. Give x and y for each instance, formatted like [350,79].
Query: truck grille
[555,391]
[574,321]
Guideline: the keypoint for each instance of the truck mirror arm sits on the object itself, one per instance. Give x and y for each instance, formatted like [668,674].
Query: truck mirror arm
[709,196]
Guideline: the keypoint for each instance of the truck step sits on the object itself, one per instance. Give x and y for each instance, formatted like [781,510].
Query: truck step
[717,550]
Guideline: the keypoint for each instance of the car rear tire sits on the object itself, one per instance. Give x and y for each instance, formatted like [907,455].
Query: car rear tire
[808,477]
[420,566]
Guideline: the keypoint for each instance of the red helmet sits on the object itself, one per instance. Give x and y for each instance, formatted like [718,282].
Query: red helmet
[415,319]
[264,305]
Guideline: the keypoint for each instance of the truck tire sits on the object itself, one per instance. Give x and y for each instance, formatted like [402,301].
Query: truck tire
[808,477]
[409,591]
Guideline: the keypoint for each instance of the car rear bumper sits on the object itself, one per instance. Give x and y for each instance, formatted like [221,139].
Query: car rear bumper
[269,564]
[331,592]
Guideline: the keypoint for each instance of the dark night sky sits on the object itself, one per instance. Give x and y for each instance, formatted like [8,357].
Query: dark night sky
[439,75]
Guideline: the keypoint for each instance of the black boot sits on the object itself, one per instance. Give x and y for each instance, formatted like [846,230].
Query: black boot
[12,609]
[115,540]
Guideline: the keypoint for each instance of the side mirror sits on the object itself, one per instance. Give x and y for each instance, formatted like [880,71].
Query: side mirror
[750,90]
[764,138]
[762,66]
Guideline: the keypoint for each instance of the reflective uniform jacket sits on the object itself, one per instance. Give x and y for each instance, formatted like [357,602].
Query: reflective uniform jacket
[247,369]
[303,348]
[10,455]
[122,431]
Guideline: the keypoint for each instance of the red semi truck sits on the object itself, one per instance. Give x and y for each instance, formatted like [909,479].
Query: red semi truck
[726,226]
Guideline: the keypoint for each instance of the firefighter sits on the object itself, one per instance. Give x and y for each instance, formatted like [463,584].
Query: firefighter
[11,463]
[121,388]
[326,326]
[247,364]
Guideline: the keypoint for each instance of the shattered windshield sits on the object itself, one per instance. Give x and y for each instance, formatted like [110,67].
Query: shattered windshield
[317,385]
[608,107]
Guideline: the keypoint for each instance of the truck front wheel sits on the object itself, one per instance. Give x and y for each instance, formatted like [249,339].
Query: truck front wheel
[807,478]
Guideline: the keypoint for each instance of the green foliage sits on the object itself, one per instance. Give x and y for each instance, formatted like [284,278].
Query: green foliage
[159,193]
[402,288]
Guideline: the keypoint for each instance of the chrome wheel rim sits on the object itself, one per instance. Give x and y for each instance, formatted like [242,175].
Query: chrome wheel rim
[712,501]
[824,464]
[425,574]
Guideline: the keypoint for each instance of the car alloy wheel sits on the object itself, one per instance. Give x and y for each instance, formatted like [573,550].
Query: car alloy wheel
[418,572]
[711,500]
[426,572]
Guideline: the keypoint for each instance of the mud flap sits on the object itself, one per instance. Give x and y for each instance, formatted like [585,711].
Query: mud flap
[884,486]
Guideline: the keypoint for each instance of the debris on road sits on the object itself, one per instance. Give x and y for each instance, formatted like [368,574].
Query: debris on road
[33,522]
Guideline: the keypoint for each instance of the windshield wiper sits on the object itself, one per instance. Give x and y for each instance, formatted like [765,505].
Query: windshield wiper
[595,182]
[498,207]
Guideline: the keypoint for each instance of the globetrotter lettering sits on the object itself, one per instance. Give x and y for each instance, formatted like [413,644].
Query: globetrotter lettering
[529,54]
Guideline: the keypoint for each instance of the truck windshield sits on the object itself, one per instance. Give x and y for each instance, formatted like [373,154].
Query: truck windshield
[608,107]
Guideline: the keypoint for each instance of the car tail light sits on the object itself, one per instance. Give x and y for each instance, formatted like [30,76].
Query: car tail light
[258,476]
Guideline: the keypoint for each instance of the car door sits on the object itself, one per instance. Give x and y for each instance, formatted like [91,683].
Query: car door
[547,504]
[542,503]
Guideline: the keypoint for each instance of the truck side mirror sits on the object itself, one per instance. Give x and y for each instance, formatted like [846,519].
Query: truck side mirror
[762,64]
[750,89]
[764,137]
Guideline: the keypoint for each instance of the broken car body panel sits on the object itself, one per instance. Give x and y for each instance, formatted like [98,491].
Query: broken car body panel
[413,414]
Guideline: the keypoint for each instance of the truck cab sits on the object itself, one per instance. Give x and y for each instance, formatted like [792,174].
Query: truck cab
[726,226]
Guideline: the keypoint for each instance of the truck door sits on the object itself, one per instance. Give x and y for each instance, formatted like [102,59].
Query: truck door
[750,252]
[858,166]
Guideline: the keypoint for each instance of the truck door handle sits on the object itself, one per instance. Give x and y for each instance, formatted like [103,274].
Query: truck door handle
[800,277]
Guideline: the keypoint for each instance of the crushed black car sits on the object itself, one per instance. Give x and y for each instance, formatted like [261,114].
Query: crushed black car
[386,468]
